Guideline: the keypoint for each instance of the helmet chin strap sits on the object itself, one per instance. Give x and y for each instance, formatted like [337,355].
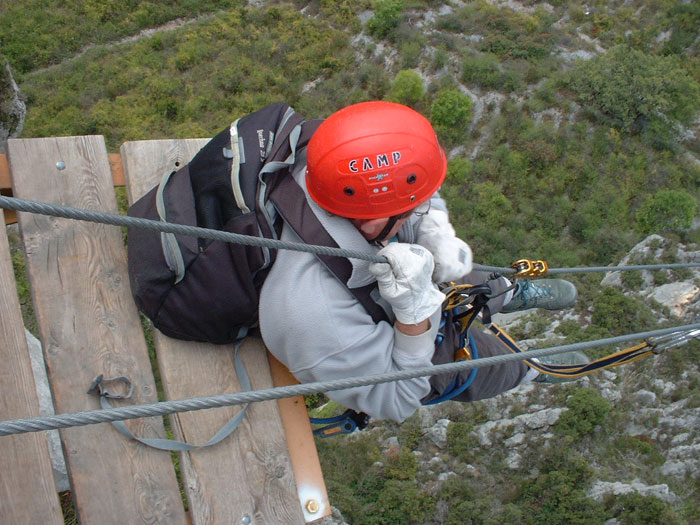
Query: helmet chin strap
[389,226]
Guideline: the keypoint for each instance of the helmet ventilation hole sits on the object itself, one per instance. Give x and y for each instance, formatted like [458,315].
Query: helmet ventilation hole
[349,191]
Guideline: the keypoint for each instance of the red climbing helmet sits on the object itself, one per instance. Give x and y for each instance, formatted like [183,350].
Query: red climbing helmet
[374,160]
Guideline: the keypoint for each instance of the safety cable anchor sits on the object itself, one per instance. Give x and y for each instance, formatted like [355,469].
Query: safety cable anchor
[530,268]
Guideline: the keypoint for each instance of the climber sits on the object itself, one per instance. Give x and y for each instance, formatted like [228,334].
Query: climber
[371,173]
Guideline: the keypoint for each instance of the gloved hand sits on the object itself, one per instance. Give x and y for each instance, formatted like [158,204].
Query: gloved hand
[453,257]
[405,282]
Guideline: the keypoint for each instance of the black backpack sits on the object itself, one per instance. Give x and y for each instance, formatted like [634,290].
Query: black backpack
[203,290]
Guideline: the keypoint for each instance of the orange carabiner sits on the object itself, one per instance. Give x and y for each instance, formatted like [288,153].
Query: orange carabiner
[530,268]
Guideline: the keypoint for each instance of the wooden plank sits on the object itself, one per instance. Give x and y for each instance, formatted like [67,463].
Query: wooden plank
[302,448]
[254,459]
[5,188]
[89,326]
[4,173]
[27,489]
[10,216]
[115,164]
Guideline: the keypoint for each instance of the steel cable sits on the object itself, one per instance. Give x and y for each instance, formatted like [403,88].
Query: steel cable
[67,212]
[18,426]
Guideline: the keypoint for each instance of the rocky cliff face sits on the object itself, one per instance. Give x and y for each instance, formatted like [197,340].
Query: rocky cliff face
[623,438]
[12,108]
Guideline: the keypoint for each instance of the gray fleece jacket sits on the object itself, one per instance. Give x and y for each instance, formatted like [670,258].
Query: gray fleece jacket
[314,325]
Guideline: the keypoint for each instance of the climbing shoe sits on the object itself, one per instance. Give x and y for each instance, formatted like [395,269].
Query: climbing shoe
[568,358]
[550,294]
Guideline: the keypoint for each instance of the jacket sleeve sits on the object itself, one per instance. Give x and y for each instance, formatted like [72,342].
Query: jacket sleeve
[313,324]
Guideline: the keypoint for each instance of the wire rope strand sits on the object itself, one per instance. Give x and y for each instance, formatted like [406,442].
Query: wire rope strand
[67,212]
[18,426]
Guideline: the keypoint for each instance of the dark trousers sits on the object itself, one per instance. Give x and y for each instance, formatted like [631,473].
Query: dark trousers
[491,380]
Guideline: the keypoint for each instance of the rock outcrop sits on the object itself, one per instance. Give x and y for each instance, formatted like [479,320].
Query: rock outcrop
[12,108]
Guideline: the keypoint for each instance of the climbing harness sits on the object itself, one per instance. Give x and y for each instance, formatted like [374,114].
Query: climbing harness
[463,303]
[470,302]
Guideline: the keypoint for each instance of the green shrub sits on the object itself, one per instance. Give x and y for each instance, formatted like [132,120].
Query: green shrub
[586,410]
[685,20]
[387,15]
[459,441]
[439,59]
[401,466]
[632,280]
[342,13]
[407,88]
[483,71]
[315,400]
[556,495]
[459,171]
[410,434]
[619,314]
[410,52]
[450,114]
[398,503]
[489,206]
[356,484]
[640,445]
[666,210]
[630,88]
[635,509]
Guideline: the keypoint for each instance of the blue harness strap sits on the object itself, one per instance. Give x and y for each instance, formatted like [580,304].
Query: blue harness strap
[347,422]
[453,390]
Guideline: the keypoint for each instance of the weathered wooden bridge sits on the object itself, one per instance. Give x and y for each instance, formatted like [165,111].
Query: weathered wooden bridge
[266,472]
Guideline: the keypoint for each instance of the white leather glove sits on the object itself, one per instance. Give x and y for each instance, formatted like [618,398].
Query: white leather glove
[406,284]
[453,257]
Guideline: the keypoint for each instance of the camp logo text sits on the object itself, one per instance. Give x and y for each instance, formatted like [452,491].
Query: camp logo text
[382,160]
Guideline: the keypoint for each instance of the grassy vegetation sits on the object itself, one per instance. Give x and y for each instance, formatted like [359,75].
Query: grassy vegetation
[570,161]
[188,82]
[38,33]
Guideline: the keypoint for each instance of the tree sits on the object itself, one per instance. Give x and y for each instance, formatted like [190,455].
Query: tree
[407,88]
[633,91]
[666,210]
[387,15]
[450,114]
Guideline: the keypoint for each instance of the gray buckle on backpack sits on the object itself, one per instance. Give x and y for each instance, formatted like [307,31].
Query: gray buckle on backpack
[97,387]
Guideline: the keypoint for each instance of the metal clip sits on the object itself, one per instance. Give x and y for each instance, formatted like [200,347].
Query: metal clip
[463,354]
[458,295]
[530,268]
[98,387]
[664,342]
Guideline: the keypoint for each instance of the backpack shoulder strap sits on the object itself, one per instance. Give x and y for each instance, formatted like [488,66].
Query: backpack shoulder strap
[290,202]
[98,388]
